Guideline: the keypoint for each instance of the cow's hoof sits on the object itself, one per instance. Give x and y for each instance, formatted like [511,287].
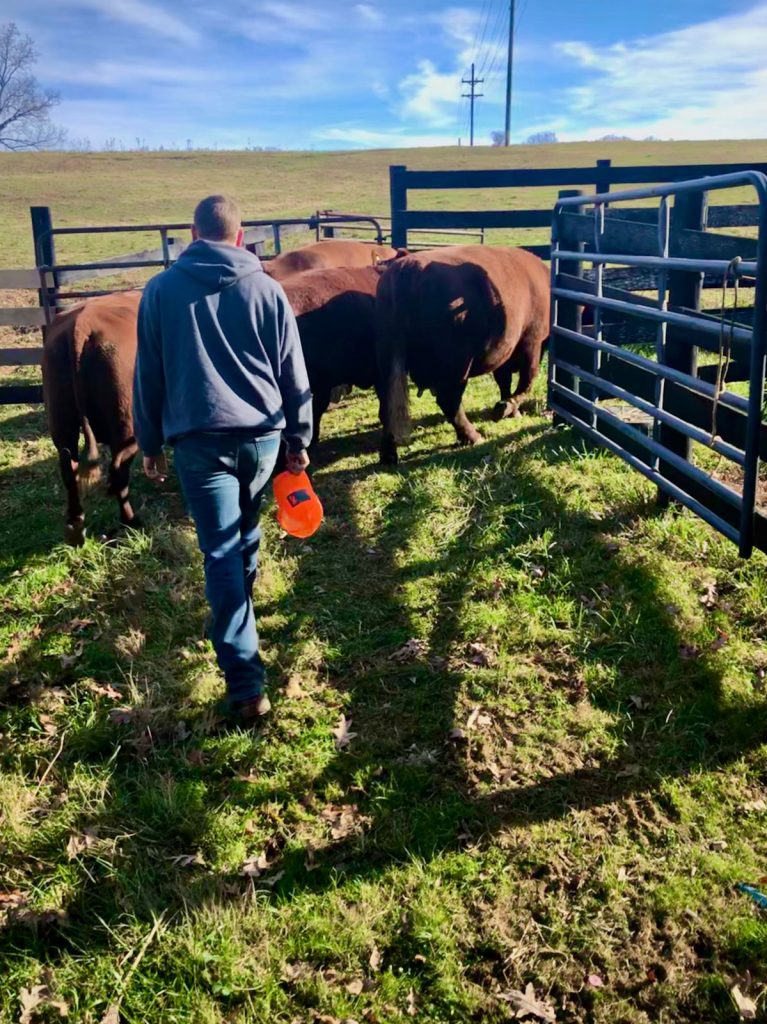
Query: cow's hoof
[469,440]
[388,455]
[74,534]
[504,411]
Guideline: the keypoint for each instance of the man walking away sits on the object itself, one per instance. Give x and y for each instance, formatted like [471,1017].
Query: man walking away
[220,375]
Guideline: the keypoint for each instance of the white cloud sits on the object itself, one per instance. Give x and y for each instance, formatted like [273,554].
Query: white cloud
[153,19]
[369,14]
[431,95]
[707,80]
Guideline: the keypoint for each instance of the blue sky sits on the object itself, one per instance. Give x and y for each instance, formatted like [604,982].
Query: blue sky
[343,74]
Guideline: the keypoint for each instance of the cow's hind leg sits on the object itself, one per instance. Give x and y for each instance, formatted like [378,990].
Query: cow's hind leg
[506,406]
[119,482]
[74,530]
[449,398]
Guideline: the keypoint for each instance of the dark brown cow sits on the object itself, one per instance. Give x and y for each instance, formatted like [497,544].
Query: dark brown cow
[328,255]
[89,355]
[335,310]
[449,314]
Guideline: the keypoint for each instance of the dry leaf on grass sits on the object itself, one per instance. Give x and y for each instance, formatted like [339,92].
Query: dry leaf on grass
[11,900]
[187,860]
[471,721]
[356,987]
[754,806]
[709,598]
[344,820]
[80,842]
[746,1007]
[39,996]
[294,973]
[104,690]
[527,1005]
[375,959]
[122,716]
[78,625]
[130,644]
[17,642]
[250,868]
[412,1006]
[272,880]
[48,725]
[413,649]
[622,874]
[341,733]
[294,690]
[481,655]
[112,1016]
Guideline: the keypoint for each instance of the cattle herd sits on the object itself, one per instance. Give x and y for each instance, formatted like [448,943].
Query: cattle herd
[368,317]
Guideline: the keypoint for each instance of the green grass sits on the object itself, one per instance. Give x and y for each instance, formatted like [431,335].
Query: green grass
[593,818]
[579,828]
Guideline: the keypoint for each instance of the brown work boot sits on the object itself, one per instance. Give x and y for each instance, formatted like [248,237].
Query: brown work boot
[248,712]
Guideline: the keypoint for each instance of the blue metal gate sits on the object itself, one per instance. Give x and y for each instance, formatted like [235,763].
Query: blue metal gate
[590,365]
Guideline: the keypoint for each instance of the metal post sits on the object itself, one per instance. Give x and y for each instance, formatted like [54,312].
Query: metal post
[568,314]
[602,177]
[684,289]
[45,254]
[509,72]
[398,195]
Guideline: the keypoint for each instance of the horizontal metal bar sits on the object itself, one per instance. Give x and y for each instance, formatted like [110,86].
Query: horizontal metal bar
[21,356]
[21,394]
[745,269]
[692,383]
[433,219]
[658,316]
[106,265]
[615,391]
[660,481]
[27,316]
[658,450]
[756,178]
[20,279]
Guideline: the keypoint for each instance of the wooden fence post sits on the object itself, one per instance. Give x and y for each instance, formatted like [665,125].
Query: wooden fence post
[684,289]
[570,315]
[398,195]
[45,253]
[602,178]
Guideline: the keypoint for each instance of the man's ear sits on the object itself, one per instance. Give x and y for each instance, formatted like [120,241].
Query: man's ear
[240,238]
[195,234]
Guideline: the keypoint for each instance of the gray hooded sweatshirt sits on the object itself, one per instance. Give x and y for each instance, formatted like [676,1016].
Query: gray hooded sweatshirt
[218,350]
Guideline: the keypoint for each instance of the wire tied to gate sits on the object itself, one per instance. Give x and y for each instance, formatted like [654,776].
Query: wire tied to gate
[725,352]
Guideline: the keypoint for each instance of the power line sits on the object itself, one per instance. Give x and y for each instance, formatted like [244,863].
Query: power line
[494,38]
[477,46]
[472,96]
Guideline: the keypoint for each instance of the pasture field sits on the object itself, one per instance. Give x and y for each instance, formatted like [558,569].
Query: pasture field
[556,772]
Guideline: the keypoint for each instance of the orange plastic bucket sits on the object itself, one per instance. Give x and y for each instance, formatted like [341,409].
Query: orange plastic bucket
[299,510]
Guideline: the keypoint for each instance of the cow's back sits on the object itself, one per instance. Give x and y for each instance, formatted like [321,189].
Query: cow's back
[326,255]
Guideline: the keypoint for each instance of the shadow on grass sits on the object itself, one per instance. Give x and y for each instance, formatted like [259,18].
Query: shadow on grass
[420,792]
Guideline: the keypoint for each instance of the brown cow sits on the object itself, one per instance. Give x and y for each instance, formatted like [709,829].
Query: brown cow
[449,314]
[89,355]
[327,255]
[335,310]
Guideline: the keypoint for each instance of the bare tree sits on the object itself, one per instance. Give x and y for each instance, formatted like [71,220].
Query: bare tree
[542,138]
[24,105]
[499,138]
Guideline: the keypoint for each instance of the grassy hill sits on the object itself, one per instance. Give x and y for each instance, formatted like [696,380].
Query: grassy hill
[117,188]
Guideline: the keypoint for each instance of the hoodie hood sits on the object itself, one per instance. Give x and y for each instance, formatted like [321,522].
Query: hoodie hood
[217,265]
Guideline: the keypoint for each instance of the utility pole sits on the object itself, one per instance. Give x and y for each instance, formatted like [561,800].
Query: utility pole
[509,69]
[473,95]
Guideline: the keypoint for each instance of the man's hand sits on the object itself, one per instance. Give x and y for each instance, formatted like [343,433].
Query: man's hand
[297,462]
[156,468]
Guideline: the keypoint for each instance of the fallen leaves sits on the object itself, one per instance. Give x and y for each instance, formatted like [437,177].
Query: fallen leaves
[375,959]
[412,1005]
[112,1016]
[187,860]
[344,820]
[37,998]
[294,690]
[527,1005]
[709,598]
[746,1007]
[341,733]
[103,690]
[410,651]
[68,660]
[481,655]
[254,867]
[754,806]
[79,842]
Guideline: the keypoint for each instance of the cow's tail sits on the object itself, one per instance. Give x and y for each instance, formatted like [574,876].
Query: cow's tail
[89,466]
[392,352]
[89,463]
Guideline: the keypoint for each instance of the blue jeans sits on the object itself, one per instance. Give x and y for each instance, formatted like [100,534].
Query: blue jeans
[223,477]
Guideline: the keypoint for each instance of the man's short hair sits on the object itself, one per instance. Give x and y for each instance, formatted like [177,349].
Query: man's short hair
[217,218]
